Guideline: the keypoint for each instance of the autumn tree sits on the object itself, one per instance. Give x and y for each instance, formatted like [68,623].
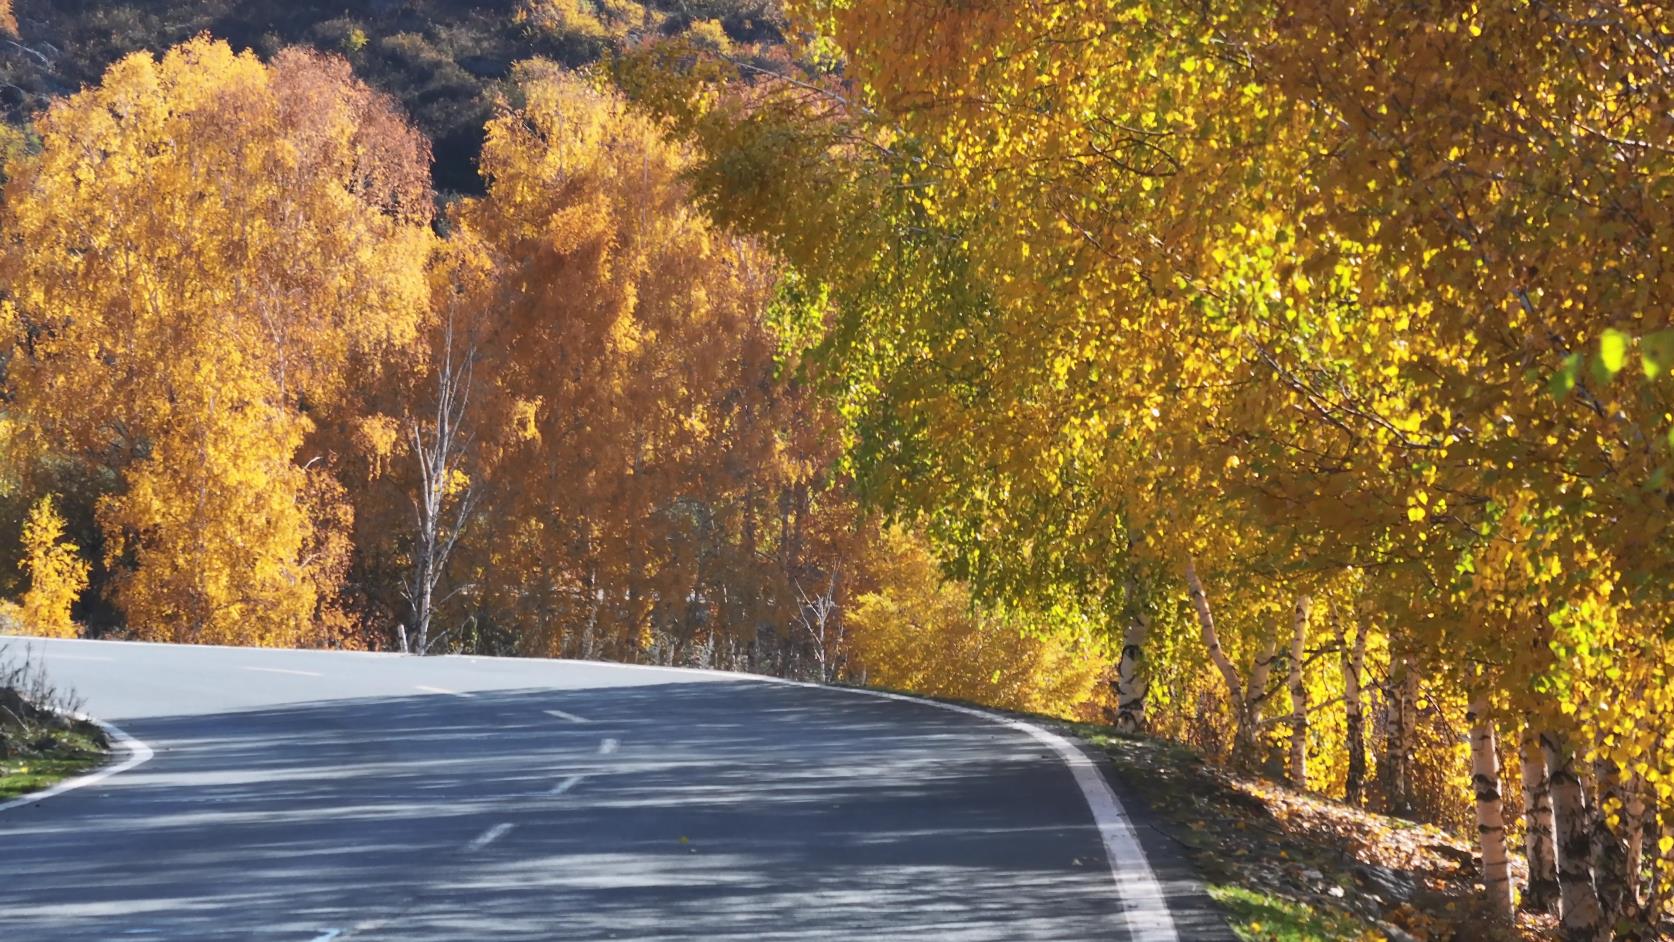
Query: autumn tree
[202,251]
[1085,268]
[665,483]
[919,631]
[57,573]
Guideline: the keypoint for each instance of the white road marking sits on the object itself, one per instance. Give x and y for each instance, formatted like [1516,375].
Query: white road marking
[488,837]
[281,670]
[1145,905]
[566,784]
[566,716]
[328,935]
[608,746]
[138,752]
[451,693]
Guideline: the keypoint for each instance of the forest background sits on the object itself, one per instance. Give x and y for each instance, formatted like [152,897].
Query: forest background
[1100,359]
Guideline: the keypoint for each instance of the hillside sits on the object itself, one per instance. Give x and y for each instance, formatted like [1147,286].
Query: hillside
[445,60]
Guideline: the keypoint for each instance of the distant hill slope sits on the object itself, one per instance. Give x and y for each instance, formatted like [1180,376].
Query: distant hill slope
[445,60]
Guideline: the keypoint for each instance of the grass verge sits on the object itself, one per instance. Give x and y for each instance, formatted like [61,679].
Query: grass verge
[38,760]
[40,744]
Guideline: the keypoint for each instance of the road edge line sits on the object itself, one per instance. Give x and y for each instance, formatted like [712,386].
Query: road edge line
[1144,904]
[138,754]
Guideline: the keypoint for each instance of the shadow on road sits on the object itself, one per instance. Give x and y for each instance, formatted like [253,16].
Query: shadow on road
[732,810]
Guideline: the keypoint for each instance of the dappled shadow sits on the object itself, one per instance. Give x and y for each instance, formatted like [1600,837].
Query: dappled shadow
[729,810]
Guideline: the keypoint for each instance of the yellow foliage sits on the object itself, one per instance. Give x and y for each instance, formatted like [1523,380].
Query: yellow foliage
[584,19]
[709,34]
[919,632]
[57,573]
[210,249]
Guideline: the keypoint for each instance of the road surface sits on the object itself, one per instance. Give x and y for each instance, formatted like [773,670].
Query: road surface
[345,797]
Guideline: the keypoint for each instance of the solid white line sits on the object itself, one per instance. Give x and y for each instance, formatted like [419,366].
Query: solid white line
[451,693]
[138,752]
[566,716]
[566,784]
[281,670]
[1145,905]
[488,837]
[607,747]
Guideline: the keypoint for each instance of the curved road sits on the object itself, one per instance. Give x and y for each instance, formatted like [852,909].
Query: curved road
[317,796]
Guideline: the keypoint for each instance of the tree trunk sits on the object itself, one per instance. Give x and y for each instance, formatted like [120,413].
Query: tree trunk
[1255,694]
[1582,918]
[1299,697]
[1131,682]
[1541,896]
[1243,738]
[1635,819]
[1354,664]
[1609,851]
[1490,822]
[1395,767]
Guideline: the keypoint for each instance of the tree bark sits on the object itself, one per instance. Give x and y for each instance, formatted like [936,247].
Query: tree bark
[1131,682]
[1255,694]
[1635,822]
[1490,821]
[1582,918]
[1609,851]
[1395,767]
[1243,738]
[1298,765]
[1354,665]
[1541,895]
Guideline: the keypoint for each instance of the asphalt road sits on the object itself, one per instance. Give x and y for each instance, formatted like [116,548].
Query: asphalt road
[315,796]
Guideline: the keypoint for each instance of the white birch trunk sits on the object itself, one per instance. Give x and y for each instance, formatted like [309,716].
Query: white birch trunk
[1217,656]
[1490,821]
[1354,666]
[1582,918]
[1255,694]
[1298,697]
[1131,682]
[1541,895]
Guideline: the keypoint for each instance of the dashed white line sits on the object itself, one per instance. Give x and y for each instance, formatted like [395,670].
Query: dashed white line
[566,716]
[566,784]
[451,693]
[281,670]
[489,836]
[608,746]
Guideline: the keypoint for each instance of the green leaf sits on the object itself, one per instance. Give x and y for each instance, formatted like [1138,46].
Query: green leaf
[1656,353]
[1562,382]
[1612,351]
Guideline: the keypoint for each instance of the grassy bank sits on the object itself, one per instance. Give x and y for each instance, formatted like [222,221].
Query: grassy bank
[31,761]
[1291,867]
[40,744]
